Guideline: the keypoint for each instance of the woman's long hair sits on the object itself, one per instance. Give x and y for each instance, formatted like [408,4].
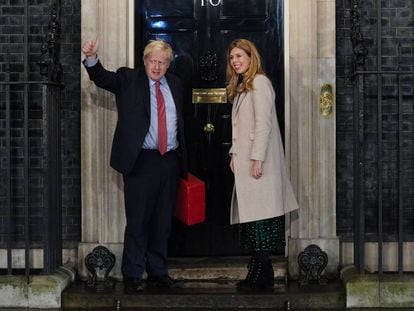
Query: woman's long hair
[242,83]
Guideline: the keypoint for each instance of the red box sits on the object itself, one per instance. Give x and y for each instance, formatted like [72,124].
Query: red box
[191,201]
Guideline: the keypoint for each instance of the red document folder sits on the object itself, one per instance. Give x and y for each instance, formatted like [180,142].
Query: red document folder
[191,201]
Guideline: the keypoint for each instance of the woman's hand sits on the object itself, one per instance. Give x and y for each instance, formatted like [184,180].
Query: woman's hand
[90,48]
[257,169]
[232,165]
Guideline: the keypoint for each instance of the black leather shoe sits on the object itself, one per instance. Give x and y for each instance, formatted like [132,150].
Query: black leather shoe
[133,286]
[163,281]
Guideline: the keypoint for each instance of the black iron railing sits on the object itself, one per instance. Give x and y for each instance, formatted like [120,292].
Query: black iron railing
[49,176]
[20,99]
[360,77]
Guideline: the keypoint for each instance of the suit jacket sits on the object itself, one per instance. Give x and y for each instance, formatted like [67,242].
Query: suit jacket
[131,88]
[256,136]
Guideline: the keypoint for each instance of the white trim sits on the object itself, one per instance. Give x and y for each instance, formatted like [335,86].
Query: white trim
[286,70]
[131,34]
[286,46]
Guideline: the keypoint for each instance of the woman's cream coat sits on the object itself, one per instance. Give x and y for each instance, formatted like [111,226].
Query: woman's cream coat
[256,136]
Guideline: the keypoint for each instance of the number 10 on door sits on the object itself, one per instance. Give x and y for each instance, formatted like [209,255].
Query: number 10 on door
[212,2]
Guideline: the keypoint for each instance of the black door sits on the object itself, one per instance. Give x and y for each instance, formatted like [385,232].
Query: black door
[199,32]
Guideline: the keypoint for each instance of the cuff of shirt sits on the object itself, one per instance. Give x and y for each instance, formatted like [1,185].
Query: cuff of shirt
[91,62]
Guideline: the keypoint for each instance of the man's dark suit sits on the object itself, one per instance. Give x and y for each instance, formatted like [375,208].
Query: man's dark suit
[149,178]
[133,102]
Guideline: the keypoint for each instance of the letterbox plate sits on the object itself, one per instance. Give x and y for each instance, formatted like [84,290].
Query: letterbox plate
[210,96]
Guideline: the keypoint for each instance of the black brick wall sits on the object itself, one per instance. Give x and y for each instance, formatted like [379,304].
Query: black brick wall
[397,29]
[11,48]
[70,58]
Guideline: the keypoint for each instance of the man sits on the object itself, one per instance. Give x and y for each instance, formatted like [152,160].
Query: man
[149,150]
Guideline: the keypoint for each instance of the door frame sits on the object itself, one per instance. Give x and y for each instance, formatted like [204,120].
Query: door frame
[101,187]
[286,73]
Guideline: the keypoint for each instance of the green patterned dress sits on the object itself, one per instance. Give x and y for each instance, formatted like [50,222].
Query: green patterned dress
[263,235]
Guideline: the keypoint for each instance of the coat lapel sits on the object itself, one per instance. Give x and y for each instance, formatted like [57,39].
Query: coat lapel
[239,100]
[173,90]
[143,85]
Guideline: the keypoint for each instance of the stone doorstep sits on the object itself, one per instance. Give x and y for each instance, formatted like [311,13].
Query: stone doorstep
[219,268]
[210,283]
[42,291]
[188,297]
[215,268]
[375,291]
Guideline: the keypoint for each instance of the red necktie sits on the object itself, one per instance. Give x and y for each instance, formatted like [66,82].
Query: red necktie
[162,119]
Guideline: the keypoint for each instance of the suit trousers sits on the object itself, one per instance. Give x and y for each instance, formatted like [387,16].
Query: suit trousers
[150,191]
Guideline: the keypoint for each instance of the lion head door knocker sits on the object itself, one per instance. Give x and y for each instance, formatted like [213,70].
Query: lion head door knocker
[312,261]
[99,263]
[208,66]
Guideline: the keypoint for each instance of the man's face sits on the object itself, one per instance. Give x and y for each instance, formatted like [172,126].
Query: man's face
[156,64]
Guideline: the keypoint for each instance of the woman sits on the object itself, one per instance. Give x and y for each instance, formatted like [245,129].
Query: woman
[262,191]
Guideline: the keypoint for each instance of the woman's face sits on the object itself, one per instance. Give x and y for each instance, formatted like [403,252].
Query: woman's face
[239,60]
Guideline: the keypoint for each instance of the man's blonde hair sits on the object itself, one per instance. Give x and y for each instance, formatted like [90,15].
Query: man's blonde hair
[158,45]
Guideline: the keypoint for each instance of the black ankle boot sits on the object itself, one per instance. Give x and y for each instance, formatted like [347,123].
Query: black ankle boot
[262,277]
[265,276]
[251,268]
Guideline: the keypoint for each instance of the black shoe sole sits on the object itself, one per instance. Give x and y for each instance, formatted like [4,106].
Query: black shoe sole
[133,292]
[254,287]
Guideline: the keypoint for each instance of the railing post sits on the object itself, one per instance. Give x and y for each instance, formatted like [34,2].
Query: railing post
[400,168]
[51,70]
[359,54]
[52,250]
[8,171]
[379,139]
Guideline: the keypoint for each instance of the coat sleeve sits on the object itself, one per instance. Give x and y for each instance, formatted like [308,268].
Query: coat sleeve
[263,101]
[105,79]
